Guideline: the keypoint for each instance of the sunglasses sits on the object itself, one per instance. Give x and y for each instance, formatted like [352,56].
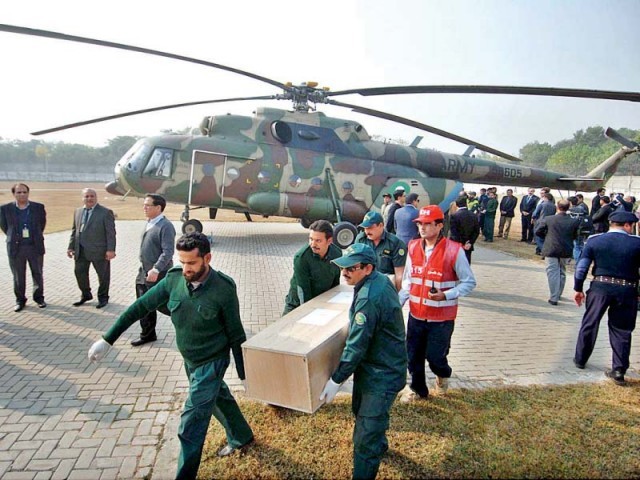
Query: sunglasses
[353,268]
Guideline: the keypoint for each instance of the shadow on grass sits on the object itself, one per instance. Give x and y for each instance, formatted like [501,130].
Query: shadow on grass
[584,431]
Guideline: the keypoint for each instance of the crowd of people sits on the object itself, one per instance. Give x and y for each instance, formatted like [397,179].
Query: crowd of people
[403,253]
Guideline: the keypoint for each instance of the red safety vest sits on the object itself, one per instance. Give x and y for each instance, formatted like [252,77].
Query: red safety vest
[438,271]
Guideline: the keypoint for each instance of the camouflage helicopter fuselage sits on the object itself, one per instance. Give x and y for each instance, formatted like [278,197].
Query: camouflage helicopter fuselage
[310,166]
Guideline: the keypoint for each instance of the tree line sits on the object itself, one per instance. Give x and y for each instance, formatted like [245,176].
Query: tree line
[576,156]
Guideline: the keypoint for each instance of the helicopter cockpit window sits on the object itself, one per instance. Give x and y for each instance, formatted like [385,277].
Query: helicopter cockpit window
[160,163]
[281,131]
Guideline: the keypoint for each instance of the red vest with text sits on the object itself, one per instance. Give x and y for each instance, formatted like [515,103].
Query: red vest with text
[438,271]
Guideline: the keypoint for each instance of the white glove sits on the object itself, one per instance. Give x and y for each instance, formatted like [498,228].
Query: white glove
[98,350]
[330,391]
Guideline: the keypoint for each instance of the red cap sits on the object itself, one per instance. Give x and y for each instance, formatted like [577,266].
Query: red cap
[429,214]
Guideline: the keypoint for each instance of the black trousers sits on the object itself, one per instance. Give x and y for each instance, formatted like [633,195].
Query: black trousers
[621,303]
[18,264]
[430,340]
[148,322]
[527,228]
[103,270]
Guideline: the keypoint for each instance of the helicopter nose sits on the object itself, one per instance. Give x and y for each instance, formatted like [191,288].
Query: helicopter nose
[113,188]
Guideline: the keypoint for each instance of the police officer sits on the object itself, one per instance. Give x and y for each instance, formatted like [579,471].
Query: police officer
[375,354]
[613,288]
[390,250]
[206,317]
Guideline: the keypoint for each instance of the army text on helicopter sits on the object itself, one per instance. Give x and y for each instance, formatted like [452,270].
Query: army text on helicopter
[305,165]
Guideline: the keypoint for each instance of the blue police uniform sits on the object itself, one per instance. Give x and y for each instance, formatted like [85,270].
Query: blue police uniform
[391,251]
[616,259]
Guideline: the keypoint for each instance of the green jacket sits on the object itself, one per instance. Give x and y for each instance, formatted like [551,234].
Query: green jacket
[391,251]
[206,321]
[375,352]
[312,275]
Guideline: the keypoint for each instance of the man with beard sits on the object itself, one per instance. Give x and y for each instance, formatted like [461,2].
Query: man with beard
[206,316]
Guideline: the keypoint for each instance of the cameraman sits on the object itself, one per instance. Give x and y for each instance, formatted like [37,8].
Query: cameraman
[579,211]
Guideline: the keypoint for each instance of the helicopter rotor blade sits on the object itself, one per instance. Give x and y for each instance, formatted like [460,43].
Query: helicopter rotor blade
[422,126]
[147,110]
[92,41]
[494,89]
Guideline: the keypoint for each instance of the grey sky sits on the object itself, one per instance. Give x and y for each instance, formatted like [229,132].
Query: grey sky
[340,44]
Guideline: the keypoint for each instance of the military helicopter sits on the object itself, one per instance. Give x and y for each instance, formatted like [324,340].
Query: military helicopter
[306,165]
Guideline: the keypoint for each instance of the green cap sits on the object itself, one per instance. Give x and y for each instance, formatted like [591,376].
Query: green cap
[355,254]
[371,219]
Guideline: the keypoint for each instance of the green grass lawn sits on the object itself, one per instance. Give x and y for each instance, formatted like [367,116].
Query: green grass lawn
[577,431]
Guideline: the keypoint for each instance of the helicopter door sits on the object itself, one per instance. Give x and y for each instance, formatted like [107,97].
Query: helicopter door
[206,178]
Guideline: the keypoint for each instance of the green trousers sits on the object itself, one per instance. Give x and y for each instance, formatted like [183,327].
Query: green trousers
[369,434]
[208,395]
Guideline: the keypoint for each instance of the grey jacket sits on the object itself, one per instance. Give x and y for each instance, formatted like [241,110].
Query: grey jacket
[156,249]
[99,235]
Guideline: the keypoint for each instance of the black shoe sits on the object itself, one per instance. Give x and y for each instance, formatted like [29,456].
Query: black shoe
[42,304]
[552,302]
[102,303]
[142,341]
[228,449]
[82,301]
[19,306]
[617,376]
[524,240]
[578,364]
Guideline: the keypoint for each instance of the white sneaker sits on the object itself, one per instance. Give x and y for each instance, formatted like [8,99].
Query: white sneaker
[407,395]
[442,385]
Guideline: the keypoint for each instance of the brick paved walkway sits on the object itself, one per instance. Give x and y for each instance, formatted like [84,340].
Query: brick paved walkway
[62,417]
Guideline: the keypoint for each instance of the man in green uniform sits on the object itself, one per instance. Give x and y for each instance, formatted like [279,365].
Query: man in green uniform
[313,272]
[390,250]
[206,317]
[375,354]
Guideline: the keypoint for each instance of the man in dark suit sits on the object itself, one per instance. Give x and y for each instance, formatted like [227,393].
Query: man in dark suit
[464,227]
[156,258]
[92,242]
[399,201]
[559,231]
[23,222]
[595,201]
[507,209]
[404,225]
[527,206]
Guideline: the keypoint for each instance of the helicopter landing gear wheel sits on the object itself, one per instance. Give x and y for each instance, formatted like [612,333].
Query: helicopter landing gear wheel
[344,234]
[192,226]
[305,222]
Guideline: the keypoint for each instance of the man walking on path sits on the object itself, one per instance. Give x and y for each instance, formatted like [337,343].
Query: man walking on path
[375,353]
[205,313]
[436,274]
[559,231]
[156,258]
[616,259]
[92,242]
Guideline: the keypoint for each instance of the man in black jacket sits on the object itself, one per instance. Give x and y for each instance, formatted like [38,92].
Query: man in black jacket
[507,209]
[600,217]
[399,201]
[23,222]
[464,227]
[559,231]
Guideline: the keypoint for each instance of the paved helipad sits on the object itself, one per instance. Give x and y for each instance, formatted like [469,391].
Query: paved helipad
[62,417]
